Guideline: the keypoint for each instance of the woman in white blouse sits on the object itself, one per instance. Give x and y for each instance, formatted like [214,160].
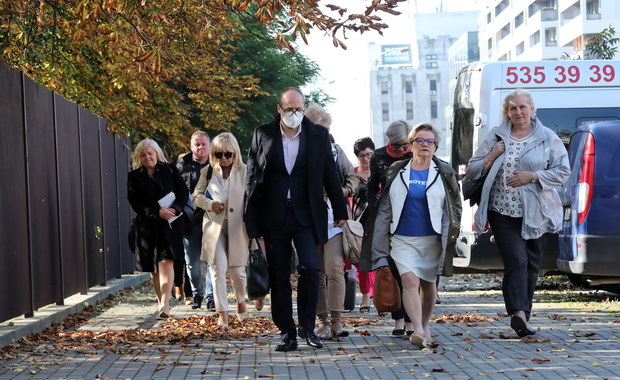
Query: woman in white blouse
[224,238]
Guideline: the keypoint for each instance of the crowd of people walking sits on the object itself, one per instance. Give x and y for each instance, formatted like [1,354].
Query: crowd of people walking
[297,189]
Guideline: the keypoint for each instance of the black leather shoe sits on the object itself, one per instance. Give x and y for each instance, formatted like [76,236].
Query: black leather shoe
[211,305]
[520,327]
[197,302]
[287,345]
[310,337]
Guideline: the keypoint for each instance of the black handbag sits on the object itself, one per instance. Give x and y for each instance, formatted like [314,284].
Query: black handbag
[257,273]
[472,189]
[132,236]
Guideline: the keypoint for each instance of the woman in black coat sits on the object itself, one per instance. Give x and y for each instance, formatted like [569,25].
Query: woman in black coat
[159,230]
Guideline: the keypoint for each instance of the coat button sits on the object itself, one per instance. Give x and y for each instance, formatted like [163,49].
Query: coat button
[231,209]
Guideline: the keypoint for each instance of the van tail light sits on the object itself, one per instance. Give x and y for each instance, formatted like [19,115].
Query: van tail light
[586,180]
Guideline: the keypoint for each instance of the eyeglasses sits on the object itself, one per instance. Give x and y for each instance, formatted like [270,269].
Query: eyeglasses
[421,141]
[225,155]
[367,155]
[401,146]
[294,111]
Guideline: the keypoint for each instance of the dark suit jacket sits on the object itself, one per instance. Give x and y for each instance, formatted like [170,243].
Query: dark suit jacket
[314,174]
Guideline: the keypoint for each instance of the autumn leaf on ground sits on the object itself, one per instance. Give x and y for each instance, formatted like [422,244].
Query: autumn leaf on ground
[539,361]
[585,335]
[557,317]
[442,370]
[463,318]
[485,336]
[531,339]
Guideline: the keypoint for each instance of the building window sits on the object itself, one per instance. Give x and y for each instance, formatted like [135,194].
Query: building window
[431,65]
[489,18]
[520,48]
[535,38]
[385,111]
[550,37]
[433,85]
[433,109]
[519,20]
[431,57]
[504,31]
[408,86]
[409,110]
[384,88]
[501,6]
[593,9]
[490,44]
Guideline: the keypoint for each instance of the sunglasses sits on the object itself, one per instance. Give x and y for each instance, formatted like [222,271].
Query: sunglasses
[401,146]
[223,154]
[421,141]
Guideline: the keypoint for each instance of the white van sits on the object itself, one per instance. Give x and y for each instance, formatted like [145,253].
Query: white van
[566,94]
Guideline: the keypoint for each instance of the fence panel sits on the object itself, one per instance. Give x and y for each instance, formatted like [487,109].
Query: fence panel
[14,263]
[125,215]
[72,244]
[91,189]
[110,203]
[42,194]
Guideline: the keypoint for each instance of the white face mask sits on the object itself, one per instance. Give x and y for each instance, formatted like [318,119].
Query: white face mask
[292,119]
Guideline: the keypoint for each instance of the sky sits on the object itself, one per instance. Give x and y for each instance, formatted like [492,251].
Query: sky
[345,74]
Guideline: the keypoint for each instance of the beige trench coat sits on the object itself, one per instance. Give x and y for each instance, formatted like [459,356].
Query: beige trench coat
[212,223]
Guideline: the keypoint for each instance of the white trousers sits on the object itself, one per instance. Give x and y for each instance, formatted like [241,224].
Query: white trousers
[219,267]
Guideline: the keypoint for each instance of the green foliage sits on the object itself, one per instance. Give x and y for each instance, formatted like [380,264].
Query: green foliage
[603,45]
[256,55]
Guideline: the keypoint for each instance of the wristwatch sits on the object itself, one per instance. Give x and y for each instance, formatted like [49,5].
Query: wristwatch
[535,179]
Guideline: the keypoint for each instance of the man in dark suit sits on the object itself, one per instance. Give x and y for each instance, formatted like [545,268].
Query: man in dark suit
[290,168]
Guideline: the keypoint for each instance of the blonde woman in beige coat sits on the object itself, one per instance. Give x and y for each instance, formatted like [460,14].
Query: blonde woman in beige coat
[224,238]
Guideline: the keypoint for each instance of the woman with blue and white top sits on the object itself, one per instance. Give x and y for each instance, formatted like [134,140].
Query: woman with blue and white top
[417,224]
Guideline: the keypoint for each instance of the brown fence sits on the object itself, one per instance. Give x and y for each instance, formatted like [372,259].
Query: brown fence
[63,198]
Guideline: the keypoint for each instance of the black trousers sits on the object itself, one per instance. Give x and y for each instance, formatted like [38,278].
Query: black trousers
[279,253]
[522,259]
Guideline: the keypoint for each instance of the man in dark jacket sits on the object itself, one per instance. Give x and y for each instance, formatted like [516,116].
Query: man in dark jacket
[190,166]
[290,168]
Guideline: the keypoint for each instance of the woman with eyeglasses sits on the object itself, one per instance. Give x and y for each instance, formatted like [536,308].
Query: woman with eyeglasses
[363,149]
[224,239]
[398,148]
[416,225]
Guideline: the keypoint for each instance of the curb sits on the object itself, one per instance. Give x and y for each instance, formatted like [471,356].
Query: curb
[51,314]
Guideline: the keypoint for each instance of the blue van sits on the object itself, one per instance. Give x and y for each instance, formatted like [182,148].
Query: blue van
[589,241]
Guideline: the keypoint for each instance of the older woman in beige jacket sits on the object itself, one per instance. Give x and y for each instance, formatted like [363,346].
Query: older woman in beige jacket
[224,239]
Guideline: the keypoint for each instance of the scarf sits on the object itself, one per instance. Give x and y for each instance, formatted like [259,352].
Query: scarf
[392,153]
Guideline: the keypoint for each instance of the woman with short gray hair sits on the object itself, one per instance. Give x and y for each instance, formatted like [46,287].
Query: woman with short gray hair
[398,148]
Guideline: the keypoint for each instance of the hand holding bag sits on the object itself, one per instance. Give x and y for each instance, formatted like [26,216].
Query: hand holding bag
[257,276]
[387,293]
[352,236]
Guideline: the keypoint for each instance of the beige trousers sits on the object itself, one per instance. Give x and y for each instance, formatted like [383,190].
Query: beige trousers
[331,280]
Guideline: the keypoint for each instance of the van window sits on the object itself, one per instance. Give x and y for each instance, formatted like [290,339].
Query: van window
[462,137]
[564,121]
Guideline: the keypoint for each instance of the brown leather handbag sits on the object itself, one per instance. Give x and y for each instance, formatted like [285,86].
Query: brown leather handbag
[387,292]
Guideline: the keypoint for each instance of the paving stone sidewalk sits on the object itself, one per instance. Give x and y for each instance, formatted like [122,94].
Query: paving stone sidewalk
[472,335]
